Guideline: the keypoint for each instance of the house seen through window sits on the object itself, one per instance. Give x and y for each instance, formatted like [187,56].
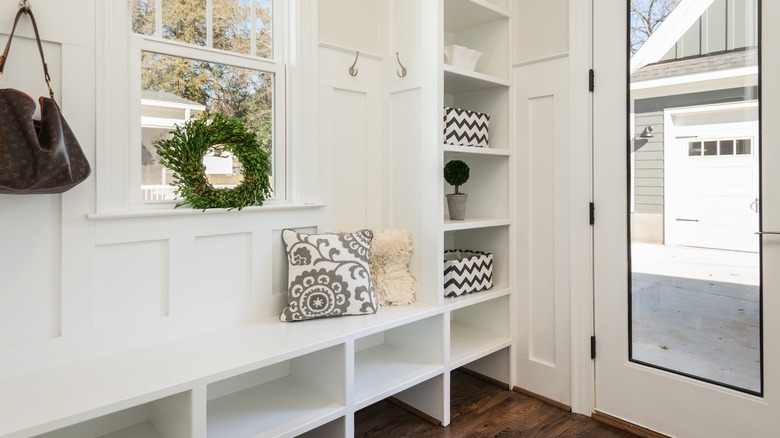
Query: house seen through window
[199,57]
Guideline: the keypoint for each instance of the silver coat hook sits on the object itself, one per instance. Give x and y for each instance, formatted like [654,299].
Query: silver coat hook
[24,4]
[402,72]
[353,71]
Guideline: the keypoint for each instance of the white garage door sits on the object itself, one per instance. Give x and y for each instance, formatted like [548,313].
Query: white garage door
[711,187]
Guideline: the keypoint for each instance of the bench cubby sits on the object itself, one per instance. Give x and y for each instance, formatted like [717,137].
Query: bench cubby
[168,417]
[392,360]
[283,399]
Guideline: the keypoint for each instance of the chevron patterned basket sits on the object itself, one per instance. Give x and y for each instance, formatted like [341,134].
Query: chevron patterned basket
[467,271]
[465,128]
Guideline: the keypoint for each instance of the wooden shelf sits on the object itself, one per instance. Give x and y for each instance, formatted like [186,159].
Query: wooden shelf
[452,149]
[465,14]
[458,80]
[469,342]
[282,407]
[474,223]
[384,370]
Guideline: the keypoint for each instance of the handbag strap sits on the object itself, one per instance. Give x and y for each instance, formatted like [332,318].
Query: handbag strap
[4,56]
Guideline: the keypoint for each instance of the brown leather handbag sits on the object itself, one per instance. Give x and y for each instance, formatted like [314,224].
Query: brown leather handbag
[36,156]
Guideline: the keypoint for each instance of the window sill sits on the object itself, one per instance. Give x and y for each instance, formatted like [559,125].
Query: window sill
[186,211]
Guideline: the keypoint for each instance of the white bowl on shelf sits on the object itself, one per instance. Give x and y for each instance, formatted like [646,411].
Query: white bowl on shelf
[462,57]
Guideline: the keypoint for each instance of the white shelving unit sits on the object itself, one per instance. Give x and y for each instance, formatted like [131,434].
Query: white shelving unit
[473,336]
[474,223]
[479,323]
[474,150]
[487,187]
[458,80]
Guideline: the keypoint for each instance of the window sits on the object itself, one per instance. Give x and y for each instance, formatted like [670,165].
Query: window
[188,57]
[721,148]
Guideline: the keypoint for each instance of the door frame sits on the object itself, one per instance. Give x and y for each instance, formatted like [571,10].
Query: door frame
[580,196]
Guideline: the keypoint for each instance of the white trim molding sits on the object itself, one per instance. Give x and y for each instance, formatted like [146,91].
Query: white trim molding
[669,32]
[699,82]
[581,194]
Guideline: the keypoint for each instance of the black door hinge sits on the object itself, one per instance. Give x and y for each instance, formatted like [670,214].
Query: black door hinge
[592,347]
[592,214]
[591,80]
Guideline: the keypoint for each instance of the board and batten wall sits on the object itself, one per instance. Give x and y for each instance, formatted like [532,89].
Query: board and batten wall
[540,80]
[375,125]
[73,286]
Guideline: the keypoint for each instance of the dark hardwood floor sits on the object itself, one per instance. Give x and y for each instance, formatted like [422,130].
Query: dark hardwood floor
[481,409]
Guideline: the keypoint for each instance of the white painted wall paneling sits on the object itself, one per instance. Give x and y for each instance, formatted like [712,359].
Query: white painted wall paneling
[541,29]
[350,109]
[353,24]
[72,287]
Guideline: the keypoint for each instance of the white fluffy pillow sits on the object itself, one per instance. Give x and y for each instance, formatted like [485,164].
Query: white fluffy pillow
[391,252]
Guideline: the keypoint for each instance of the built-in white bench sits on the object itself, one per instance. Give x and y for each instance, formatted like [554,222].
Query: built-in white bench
[268,378]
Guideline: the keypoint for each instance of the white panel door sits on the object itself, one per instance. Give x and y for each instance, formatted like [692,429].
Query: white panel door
[543,355]
[672,403]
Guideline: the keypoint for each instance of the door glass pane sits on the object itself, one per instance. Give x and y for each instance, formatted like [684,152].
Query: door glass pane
[695,283]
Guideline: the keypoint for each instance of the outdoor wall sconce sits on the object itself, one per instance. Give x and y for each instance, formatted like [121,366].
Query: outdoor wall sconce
[647,132]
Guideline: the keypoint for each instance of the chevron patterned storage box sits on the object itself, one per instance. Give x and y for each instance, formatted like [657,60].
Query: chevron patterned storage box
[466,272]
[465,128]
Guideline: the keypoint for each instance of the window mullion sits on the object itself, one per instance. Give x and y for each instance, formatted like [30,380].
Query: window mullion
[253,28]
[158,20]
[209,23]
[280,15]
[175,48]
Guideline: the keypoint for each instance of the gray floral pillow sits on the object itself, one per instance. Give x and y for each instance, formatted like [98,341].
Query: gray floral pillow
[328,275]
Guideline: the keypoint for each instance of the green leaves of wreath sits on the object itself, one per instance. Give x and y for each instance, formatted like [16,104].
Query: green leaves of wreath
[183,153]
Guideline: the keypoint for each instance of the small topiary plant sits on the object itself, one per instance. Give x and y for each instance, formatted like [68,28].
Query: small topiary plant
[456,173]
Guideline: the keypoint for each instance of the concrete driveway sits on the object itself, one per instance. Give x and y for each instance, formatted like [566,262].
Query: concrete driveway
[696,311]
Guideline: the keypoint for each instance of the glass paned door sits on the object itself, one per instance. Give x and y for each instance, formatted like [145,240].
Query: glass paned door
[694,188]
[686,295]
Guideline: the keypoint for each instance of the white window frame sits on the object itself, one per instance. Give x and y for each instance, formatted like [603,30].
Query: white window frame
[118,169]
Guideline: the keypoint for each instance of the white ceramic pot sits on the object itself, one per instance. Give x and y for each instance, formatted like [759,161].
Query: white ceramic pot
[462,57]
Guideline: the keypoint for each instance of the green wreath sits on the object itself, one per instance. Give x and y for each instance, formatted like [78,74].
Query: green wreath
[183,154]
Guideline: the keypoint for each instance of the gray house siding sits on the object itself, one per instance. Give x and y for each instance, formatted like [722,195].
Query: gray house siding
[649,164]
[649,152]
[726,25]
[723,38]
